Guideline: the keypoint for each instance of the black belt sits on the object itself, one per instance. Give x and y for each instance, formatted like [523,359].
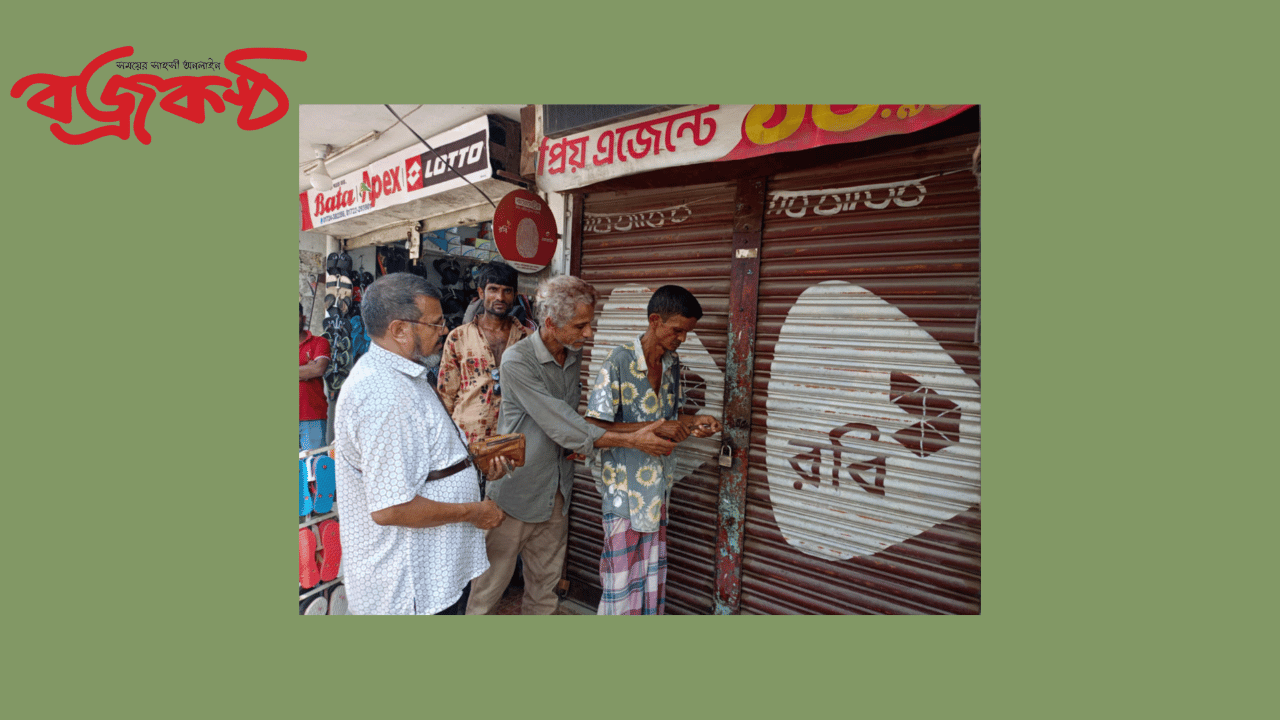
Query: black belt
[459,466]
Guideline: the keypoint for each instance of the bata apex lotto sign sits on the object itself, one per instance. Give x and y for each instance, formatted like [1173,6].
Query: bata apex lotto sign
[400,177]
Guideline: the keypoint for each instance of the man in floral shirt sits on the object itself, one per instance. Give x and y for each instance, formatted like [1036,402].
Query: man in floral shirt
[638,384]
[469,384]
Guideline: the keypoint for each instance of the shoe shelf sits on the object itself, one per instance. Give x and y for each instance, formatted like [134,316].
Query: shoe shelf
[308,593]
[314,519]
[311,523]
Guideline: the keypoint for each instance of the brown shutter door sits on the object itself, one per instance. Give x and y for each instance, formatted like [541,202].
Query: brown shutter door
[634,242]
[863,493]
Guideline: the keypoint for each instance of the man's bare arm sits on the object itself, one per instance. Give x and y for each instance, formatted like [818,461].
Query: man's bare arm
[313,369]
[423,513]
[645,438]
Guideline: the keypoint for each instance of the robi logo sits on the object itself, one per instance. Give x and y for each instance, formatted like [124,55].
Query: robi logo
[874,429]
[413,173]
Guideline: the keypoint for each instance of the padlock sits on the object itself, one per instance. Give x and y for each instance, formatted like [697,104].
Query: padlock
[726,455]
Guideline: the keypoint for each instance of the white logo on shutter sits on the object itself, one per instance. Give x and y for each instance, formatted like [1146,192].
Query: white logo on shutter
[873,427]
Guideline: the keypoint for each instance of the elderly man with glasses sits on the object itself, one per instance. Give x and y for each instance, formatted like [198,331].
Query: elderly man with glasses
[408,496]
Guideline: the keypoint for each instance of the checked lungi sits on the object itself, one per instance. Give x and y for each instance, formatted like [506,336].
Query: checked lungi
[633,568]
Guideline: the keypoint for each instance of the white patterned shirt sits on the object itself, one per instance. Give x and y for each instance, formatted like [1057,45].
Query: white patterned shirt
[390,430]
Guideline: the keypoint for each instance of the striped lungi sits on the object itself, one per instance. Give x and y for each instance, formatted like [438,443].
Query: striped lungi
[633,568]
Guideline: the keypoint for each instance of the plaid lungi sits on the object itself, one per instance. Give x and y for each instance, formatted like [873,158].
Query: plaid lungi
[633,568]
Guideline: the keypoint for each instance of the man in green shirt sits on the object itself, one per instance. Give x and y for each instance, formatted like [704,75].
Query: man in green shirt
[540,393]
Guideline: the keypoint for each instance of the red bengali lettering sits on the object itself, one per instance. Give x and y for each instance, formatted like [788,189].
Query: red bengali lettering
[696,125]
[62,90]
[577,153]
[648,135]
[250,84]
[607,159]
[197,93]
[145,86]
[132,96]
[629,142]
[557,156]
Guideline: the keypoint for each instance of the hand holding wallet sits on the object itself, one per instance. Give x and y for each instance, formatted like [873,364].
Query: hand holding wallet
[510,446]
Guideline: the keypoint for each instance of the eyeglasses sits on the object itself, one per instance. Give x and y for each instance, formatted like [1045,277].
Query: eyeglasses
[497,386]
[419,322]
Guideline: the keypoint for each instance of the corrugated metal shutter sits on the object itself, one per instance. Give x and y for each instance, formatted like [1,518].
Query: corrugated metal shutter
[634,242]
[863,489]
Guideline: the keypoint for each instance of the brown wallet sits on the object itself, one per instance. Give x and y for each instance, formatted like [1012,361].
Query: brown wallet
[510,446]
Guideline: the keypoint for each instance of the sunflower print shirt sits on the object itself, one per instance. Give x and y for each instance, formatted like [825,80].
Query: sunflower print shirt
[470,382]
[633,483]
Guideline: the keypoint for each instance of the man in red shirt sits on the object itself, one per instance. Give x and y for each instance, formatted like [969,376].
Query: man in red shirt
[313,358]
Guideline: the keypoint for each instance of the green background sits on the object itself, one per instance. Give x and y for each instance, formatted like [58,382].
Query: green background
[1126,388]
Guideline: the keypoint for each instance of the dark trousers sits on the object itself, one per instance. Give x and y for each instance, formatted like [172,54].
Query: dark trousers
[459,607]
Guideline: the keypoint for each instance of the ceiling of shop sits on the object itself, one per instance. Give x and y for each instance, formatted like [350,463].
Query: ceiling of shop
[340,125]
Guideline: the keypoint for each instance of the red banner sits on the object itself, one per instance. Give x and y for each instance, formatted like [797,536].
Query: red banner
[784,128]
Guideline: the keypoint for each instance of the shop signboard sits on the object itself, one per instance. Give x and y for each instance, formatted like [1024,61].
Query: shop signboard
[524,231]
[711,133]
[403,176]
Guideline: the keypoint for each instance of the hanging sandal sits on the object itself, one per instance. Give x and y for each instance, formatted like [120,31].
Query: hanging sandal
[338,600]
[308,572]
[304,493]
[344,294]
[330,550]
[326,487]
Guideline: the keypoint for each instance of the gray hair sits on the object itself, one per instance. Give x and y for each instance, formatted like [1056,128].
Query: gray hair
[393,297]
[559,297]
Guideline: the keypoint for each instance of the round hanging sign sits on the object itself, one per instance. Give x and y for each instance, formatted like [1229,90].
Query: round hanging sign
[525,231]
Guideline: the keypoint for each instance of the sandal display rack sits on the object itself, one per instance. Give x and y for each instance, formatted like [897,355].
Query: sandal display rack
[325,597]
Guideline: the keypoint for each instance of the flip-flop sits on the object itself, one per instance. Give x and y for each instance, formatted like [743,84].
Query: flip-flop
[331,289]
[326,488]
[308,572]
[330,550]
[331,264]
[344,294]
[344,263]
[338,600]
[334,323]
[304,495]
[335,384]
[315,605]
[359,338]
